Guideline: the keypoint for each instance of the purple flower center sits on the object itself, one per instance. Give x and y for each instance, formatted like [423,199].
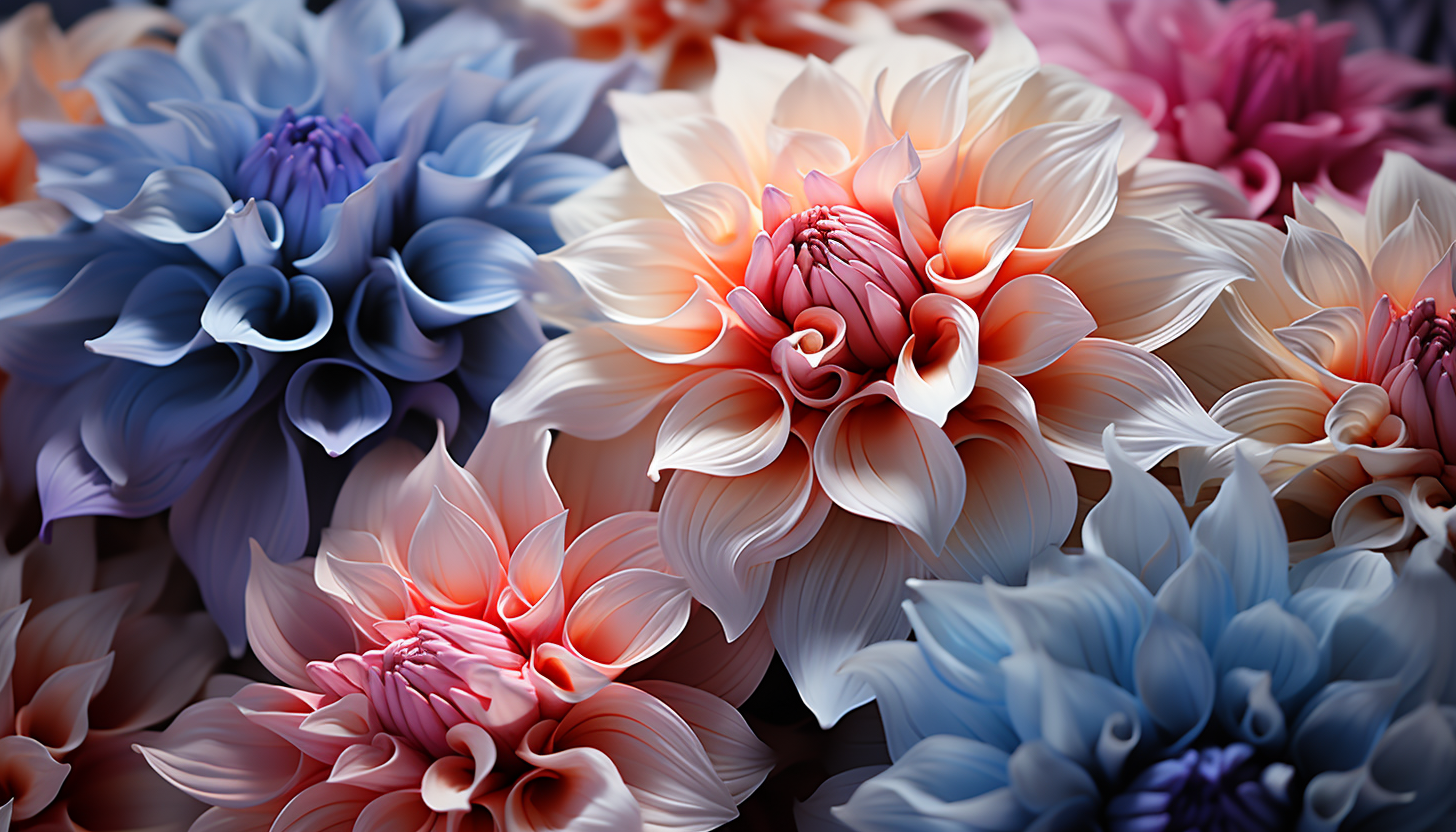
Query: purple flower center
[1410,356]
[1213,790]
[303,164]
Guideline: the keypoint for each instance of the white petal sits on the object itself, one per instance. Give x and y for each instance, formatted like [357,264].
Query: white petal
[1160,188]
[1400,184]
[936,369]
[1325,270]
[1331,341]
[1406,256]
[739,758]
[1068,170]
[729,425]
[832,598]
[673,145]
[1030,322]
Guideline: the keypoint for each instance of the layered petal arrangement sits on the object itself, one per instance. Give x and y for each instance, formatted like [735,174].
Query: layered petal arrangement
[676,38]
[1168,680]
[1333,364]
[94,650]
[842,305]
[1269,102]
[291,235]
[37,69]
[449,661]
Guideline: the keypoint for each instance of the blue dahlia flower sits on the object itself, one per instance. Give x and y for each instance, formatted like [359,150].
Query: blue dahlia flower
[295,237]
[1168,680]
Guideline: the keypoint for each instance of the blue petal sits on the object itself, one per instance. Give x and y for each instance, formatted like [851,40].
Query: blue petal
[1248,710]
[1360,569]
[250,59]
[125,82]
[1341,724]
[107,188]
[253,490]
[336,403]
[560,94]
[357,228]
[1090,620]
[351,32]
[90,170]
[383,333]
[457,269]
[153,429]
[219,134]
[1138,523]
[1410,773]
[1268,638]
[1042,778]
[522,204]
[1085,717]
[914,703]
[32,413]
[496,347]
[459,181]
[61,291]
[466,34]
[257,306]
[944,784]
[1243,531]
[960,634]
[465,101]
[187,206]
[70,483]
[1174,679]
[1200,595]
[159,323]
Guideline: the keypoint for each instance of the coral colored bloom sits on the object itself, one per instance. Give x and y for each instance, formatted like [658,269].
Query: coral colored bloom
[1333,364]
[452,660]
[95,648]
[39,62]
[843,304]
[676,37]
[300,235]
[1170,680]
[1269,102]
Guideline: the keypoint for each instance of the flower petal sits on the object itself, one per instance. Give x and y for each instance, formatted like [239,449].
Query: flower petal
[1326,270]
[838,594]
[30,776]
[257,306]
[336,402]
[702,658]
[1030,322]
[158,323]
[1242,529]
[1138,523]
[570,787]
[740,760]
[1400,184]
[626,617]
[731,424]
[56,715]
[292,622]
[936,368]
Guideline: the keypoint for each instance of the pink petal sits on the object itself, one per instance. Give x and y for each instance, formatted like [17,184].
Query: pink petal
[10,622]
[623,541]
[292,622]
[70,632]
[881,174]
[535,606]
[396,811]
[876,460]
[1099,381]
[373,591]
[452,561]
[30,776]
[728,425]
[574,787]
[721,533]
[112,788]
[438,473]
[56,716]
[936,369]
[384,765]
[369,492]
[626,617]
[835,596]
[702,658]
[660,759]
[452,783]
[511,470]
[739,759]
[216,755]
[323,807]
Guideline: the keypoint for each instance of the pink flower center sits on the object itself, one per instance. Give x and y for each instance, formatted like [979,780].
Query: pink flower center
[452,670]
[1410,356]
[838,258]
[1277,70]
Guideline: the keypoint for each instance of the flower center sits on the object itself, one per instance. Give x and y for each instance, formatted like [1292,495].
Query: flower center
[1216,788]
[1410,356]
[1278,70]
[841,259]
[452,669]
[303,164]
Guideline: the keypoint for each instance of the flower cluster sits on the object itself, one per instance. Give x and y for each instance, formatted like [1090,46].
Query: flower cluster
[288,237]
[640,415]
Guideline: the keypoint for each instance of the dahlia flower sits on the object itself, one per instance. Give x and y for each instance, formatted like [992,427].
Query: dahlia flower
[39,63]
[1167,680]
[448,658]
[1269,102]
[1333,363]
[821,306]
[95,648]
[676,38]
[294,233]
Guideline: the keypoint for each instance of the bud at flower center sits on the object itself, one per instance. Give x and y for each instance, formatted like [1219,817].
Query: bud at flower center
[1410,356]
[1216,788]
[842,259]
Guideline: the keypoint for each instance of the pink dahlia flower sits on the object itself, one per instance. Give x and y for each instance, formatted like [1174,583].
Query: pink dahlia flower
[450,663]
[676,36]
[1267,101]
[38,61]
[93,651]
[866,310]
[1334,363]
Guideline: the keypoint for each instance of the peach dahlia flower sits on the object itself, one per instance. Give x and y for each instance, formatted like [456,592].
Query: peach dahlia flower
[37,60]
[847,307]
[449,663]
[1334,364]
[93,651]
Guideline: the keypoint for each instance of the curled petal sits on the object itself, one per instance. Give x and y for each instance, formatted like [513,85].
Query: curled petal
[451,783]
[973,245]
[385,764]
[158,323]
[56,716]
[877,460]
[30,776]
[615,544]
[257,306]
[336,402]
[511,470]
[627,617]
[728,425]
[384,333]
[936,369]
[457,268]
[1332,341]
[67,633]
[567,787]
